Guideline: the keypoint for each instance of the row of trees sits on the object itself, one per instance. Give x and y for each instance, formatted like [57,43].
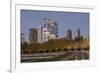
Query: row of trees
[56,44]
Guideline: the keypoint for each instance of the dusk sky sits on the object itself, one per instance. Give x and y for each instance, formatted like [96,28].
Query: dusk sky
[65,20]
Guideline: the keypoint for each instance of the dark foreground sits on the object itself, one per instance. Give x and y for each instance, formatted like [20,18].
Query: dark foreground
[64,55]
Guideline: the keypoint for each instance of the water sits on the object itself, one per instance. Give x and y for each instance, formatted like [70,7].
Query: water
[71,54]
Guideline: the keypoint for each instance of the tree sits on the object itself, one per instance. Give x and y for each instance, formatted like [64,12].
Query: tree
[24,47]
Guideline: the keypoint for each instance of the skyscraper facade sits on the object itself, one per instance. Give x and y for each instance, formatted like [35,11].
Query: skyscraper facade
[69,34]
[39,29]
[78,33]
[33,35]
[48,30]
[51,26]
[22,38]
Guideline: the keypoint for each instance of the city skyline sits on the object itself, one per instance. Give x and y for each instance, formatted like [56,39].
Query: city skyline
[48,30]
[65,20]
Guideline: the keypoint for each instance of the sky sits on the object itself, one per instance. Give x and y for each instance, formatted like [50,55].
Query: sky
[65,20]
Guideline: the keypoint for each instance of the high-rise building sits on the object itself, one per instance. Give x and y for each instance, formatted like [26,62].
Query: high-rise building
[46,35]
[69,34]
[33,35]
[40,34]
[78,33]
[78,37]
[51,26]
[48,30]
[22,38]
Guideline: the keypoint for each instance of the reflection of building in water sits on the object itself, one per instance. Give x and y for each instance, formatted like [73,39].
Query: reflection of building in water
[48,30]
[33,35]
